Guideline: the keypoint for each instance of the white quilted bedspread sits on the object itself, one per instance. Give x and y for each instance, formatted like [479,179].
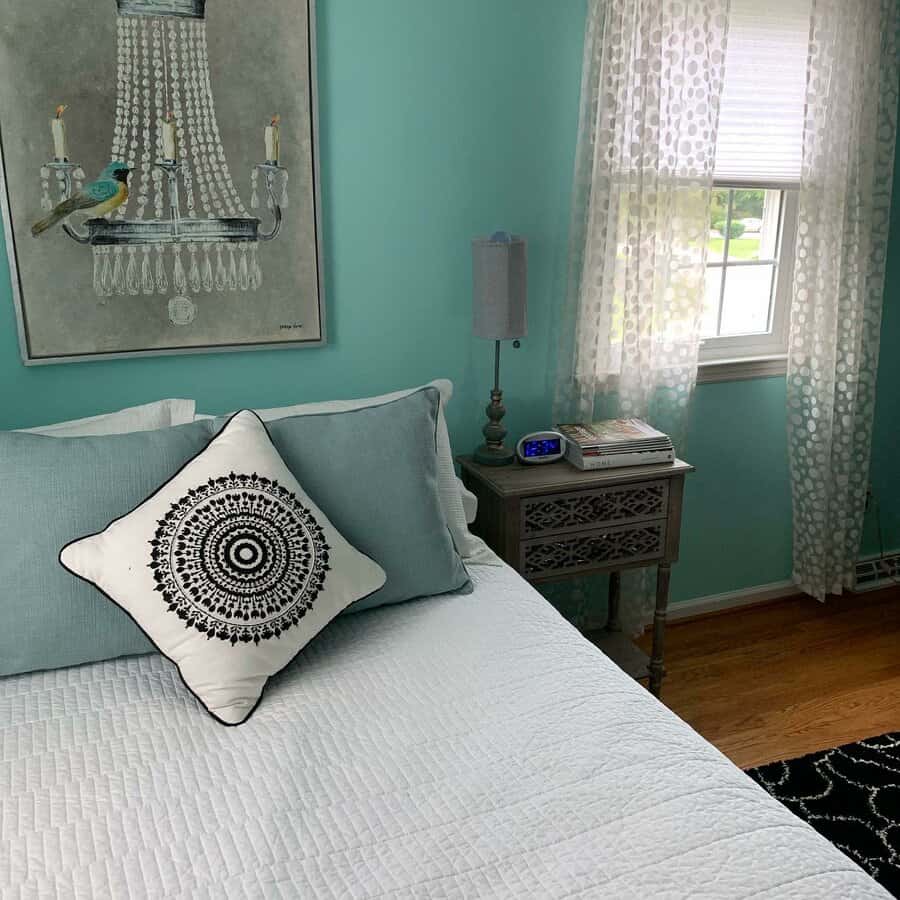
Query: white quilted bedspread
[463,746]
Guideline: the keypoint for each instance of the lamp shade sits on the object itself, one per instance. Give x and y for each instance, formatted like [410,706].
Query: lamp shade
[499,287]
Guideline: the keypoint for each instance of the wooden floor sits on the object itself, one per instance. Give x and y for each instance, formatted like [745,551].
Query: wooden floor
[780,680]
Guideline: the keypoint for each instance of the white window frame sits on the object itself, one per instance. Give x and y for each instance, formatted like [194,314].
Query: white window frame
[758,355]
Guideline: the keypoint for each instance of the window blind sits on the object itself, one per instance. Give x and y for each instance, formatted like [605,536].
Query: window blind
[761,116]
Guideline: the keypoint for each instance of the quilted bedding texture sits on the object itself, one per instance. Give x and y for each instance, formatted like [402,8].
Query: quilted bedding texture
[462,746]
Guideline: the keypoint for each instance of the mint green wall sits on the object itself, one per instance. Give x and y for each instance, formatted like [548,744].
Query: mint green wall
[440,121]
[885,470]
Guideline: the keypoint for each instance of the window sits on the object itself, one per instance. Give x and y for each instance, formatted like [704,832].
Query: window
[753,214]
[748,273]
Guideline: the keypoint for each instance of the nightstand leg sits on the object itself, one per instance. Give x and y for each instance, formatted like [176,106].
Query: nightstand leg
[579,594]
[615,593]
[659,627]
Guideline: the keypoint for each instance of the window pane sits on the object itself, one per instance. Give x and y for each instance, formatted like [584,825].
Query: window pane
[746,223]
[771,219]
[710,320]
[745,307]
[718,216]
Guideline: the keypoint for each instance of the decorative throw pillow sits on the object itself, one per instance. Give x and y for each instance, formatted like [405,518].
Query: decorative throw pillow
[374,470]
[53,490]
[229,568]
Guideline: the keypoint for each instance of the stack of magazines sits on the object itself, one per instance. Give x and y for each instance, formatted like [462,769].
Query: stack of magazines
[616,442]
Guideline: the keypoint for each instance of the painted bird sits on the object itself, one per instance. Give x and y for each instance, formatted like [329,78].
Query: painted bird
[96,198]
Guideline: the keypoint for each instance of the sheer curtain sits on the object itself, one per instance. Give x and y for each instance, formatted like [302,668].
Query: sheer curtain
[651,86]
[630,335]
[845,195]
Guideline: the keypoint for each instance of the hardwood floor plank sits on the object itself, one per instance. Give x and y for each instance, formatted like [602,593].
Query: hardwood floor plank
[792,677]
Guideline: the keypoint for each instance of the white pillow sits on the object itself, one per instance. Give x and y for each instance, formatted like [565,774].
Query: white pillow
[469,501]
[229,568]
[469,547]
[148,417]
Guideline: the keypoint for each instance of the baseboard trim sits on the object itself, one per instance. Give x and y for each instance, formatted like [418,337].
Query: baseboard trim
[729,600]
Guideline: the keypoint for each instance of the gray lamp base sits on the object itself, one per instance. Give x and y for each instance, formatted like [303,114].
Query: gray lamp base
[488,455]
[492,452]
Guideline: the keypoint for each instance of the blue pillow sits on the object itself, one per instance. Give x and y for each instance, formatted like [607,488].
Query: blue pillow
[374,473]
[52,491]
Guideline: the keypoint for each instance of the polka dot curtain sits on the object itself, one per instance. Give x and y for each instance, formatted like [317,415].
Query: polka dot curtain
[848,153]
[630,335]
[652,81]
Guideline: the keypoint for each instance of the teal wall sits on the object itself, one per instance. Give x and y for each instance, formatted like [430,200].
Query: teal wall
[885,467]
[440,121]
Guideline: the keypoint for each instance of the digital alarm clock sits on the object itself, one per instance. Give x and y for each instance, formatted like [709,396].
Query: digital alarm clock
[541,447]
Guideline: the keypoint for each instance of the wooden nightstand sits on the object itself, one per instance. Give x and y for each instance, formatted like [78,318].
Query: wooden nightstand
[554,521]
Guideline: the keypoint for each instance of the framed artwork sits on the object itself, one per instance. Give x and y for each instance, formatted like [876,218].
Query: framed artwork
[158,176]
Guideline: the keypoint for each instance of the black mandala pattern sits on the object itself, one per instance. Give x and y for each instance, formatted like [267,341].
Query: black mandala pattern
[850,795]
[239,558]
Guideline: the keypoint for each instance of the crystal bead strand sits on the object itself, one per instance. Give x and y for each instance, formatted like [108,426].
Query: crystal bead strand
[132,279]
[208,163]
[98,263]
[124,81]
[146,271]
[256,277]
[179,282]
[133,113]
[122,84]
[254,193]
[193,117]
[232,269]
[61,184]
[106,274]
[46,203]
[284,190]
[223,176]
[78,178]
[221,275]
[176,107]
[194,270]
[118,275]
[178,70]
[143,192]
[206,275]
[243,270]
[162,281]
[158,197]
[159,92]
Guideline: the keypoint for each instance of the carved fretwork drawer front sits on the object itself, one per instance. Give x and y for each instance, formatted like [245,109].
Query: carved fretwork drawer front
[578,510]
[567,553]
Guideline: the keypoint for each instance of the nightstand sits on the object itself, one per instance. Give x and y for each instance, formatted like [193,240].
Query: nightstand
[554,521]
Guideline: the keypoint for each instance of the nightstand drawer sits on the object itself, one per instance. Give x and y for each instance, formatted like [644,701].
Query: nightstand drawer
[592,549]
[583,509]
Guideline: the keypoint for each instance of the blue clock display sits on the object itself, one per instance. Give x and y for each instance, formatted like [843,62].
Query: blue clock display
[546,447]
[541,447]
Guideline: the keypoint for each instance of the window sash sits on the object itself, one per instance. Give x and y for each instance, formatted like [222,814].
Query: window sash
[774,342]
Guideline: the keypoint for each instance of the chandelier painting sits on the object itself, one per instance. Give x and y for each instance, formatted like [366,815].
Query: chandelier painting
[163,216]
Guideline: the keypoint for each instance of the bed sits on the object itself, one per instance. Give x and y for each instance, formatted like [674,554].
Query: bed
[461,746]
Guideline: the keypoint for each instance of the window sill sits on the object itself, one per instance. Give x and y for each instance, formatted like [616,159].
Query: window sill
[741,369]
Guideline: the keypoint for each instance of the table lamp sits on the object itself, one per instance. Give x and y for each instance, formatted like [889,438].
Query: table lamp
[499,301]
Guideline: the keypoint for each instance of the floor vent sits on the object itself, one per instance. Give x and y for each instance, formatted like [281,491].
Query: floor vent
[878,572]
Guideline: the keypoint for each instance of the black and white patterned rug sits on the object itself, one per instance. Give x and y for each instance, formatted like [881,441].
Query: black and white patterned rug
[850,795]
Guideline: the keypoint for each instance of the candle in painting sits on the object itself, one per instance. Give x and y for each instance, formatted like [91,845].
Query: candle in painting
[168,138]
[273,140]
[58,131]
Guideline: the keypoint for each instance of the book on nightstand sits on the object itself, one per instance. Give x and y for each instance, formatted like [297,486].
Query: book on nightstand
[613,443]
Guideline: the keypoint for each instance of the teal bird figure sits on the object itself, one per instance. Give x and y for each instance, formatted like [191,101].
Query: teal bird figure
[96,198]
